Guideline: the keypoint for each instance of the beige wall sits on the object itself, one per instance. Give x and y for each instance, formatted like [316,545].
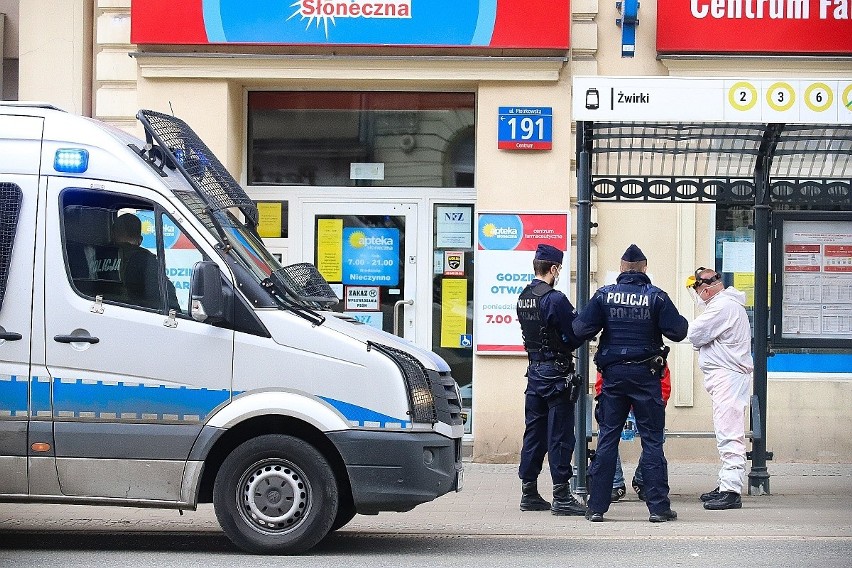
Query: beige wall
[74,53]
[56,53]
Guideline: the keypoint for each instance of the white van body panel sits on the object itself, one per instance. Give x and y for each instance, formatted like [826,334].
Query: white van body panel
[362,384]
[299,405]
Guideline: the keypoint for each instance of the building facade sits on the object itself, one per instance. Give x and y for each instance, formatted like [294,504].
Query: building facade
[398,133]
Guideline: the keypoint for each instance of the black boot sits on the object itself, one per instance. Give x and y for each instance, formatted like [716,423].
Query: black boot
[564,503]
[726,500]
[530,498]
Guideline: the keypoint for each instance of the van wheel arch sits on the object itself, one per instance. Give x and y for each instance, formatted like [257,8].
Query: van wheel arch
[275,424]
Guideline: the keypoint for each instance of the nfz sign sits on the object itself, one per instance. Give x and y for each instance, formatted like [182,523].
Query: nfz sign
[525,128]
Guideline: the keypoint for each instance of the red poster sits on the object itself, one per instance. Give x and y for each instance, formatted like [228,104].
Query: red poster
[837,258]
[802,258]
[754,26]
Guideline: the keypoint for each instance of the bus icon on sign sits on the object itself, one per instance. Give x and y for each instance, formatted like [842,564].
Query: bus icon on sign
[593,99]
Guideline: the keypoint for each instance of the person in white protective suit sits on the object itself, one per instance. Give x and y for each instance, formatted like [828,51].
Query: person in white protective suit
[722,336]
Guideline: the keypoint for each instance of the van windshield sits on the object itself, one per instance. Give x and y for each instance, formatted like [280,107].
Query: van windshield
[247,247]
[297,287]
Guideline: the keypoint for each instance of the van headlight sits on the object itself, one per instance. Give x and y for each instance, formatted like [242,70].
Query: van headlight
[421,400]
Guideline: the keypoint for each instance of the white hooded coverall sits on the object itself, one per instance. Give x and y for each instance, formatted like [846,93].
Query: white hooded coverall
[722,335]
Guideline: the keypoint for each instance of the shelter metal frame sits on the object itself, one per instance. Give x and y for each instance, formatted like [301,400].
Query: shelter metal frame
[768,166]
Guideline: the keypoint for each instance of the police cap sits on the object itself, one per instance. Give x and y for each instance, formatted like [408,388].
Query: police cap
[633,254]
[548,253]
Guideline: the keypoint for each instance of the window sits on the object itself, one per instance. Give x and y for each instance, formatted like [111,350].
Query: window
[124,250]
[399,139]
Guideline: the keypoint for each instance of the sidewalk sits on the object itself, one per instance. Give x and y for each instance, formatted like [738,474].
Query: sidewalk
[807,501]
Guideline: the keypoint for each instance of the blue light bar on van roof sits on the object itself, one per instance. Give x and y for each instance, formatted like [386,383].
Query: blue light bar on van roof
[71,160]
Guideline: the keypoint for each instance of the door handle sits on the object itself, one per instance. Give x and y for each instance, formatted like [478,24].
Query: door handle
[75,339]
[10,336]
[396,313]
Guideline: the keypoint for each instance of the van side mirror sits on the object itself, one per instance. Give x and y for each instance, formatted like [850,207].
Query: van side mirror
[207,301]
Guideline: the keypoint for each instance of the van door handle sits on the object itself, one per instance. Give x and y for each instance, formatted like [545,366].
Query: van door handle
[10,336]
[75,339]
[396,313]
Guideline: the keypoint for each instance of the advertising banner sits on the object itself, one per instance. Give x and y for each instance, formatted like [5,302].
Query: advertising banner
[736,99]
[506,244]
[453,23]
[754,26]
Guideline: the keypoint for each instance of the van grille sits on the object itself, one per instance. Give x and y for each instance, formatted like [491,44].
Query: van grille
[447,401]
[432,396]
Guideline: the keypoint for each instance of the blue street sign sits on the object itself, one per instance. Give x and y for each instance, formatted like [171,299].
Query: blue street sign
[525,128]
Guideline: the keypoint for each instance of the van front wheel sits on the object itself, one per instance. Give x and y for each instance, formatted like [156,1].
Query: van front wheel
[275,494]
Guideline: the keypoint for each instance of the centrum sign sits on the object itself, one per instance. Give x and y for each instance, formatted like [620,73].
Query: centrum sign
[738,99]
[754,26]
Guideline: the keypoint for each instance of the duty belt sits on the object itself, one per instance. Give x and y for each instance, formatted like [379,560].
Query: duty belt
[540,358]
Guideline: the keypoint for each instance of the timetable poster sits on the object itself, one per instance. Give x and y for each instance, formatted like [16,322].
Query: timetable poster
[817,279]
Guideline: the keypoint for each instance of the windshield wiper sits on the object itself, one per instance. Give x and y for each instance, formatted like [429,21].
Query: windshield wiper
[279,289]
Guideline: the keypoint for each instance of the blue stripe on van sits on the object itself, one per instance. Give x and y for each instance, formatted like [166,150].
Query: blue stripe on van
[810,363]
[40,397]
[364,416]
[13,395]
[133,401]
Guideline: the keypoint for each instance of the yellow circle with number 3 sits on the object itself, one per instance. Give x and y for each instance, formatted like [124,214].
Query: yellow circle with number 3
[780,96]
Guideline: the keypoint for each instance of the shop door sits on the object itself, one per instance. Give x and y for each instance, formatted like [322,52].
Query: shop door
[368,253]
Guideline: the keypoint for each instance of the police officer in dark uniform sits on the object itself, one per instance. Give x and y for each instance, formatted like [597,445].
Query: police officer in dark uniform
[545,316]
[634,316]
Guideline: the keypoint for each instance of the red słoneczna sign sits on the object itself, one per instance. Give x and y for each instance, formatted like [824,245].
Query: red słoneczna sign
[754,26]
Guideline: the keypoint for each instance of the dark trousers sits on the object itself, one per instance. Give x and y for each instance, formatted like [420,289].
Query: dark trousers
[625,386]
[549,425]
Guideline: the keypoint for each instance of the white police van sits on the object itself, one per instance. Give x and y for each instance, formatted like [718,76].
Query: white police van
[221,377]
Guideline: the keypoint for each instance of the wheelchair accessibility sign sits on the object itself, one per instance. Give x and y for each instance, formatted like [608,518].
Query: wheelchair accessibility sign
[466,341]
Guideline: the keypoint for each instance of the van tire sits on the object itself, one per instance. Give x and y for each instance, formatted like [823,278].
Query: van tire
[344,515]
[275,494]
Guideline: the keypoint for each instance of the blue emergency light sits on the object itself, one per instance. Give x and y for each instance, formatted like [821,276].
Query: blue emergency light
[71,160]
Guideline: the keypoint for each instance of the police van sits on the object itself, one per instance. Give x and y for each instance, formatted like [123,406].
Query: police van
[185,365]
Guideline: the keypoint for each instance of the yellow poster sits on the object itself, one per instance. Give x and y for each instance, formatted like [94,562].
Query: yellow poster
[744,282]
[453,311]
[330,249]
[269,220]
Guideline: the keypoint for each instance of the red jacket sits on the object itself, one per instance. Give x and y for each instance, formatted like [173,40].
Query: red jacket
[666,383]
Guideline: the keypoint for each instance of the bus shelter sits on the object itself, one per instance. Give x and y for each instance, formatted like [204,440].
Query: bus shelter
[781,147]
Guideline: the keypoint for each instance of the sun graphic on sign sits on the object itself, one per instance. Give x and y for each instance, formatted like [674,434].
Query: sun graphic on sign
[356,239]
[311,19]
[489,230]
[147,227]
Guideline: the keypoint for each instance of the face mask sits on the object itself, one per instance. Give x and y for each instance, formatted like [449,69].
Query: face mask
[556,278]
[699,301]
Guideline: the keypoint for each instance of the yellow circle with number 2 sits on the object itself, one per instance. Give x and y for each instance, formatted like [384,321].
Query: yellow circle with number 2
[742,96]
